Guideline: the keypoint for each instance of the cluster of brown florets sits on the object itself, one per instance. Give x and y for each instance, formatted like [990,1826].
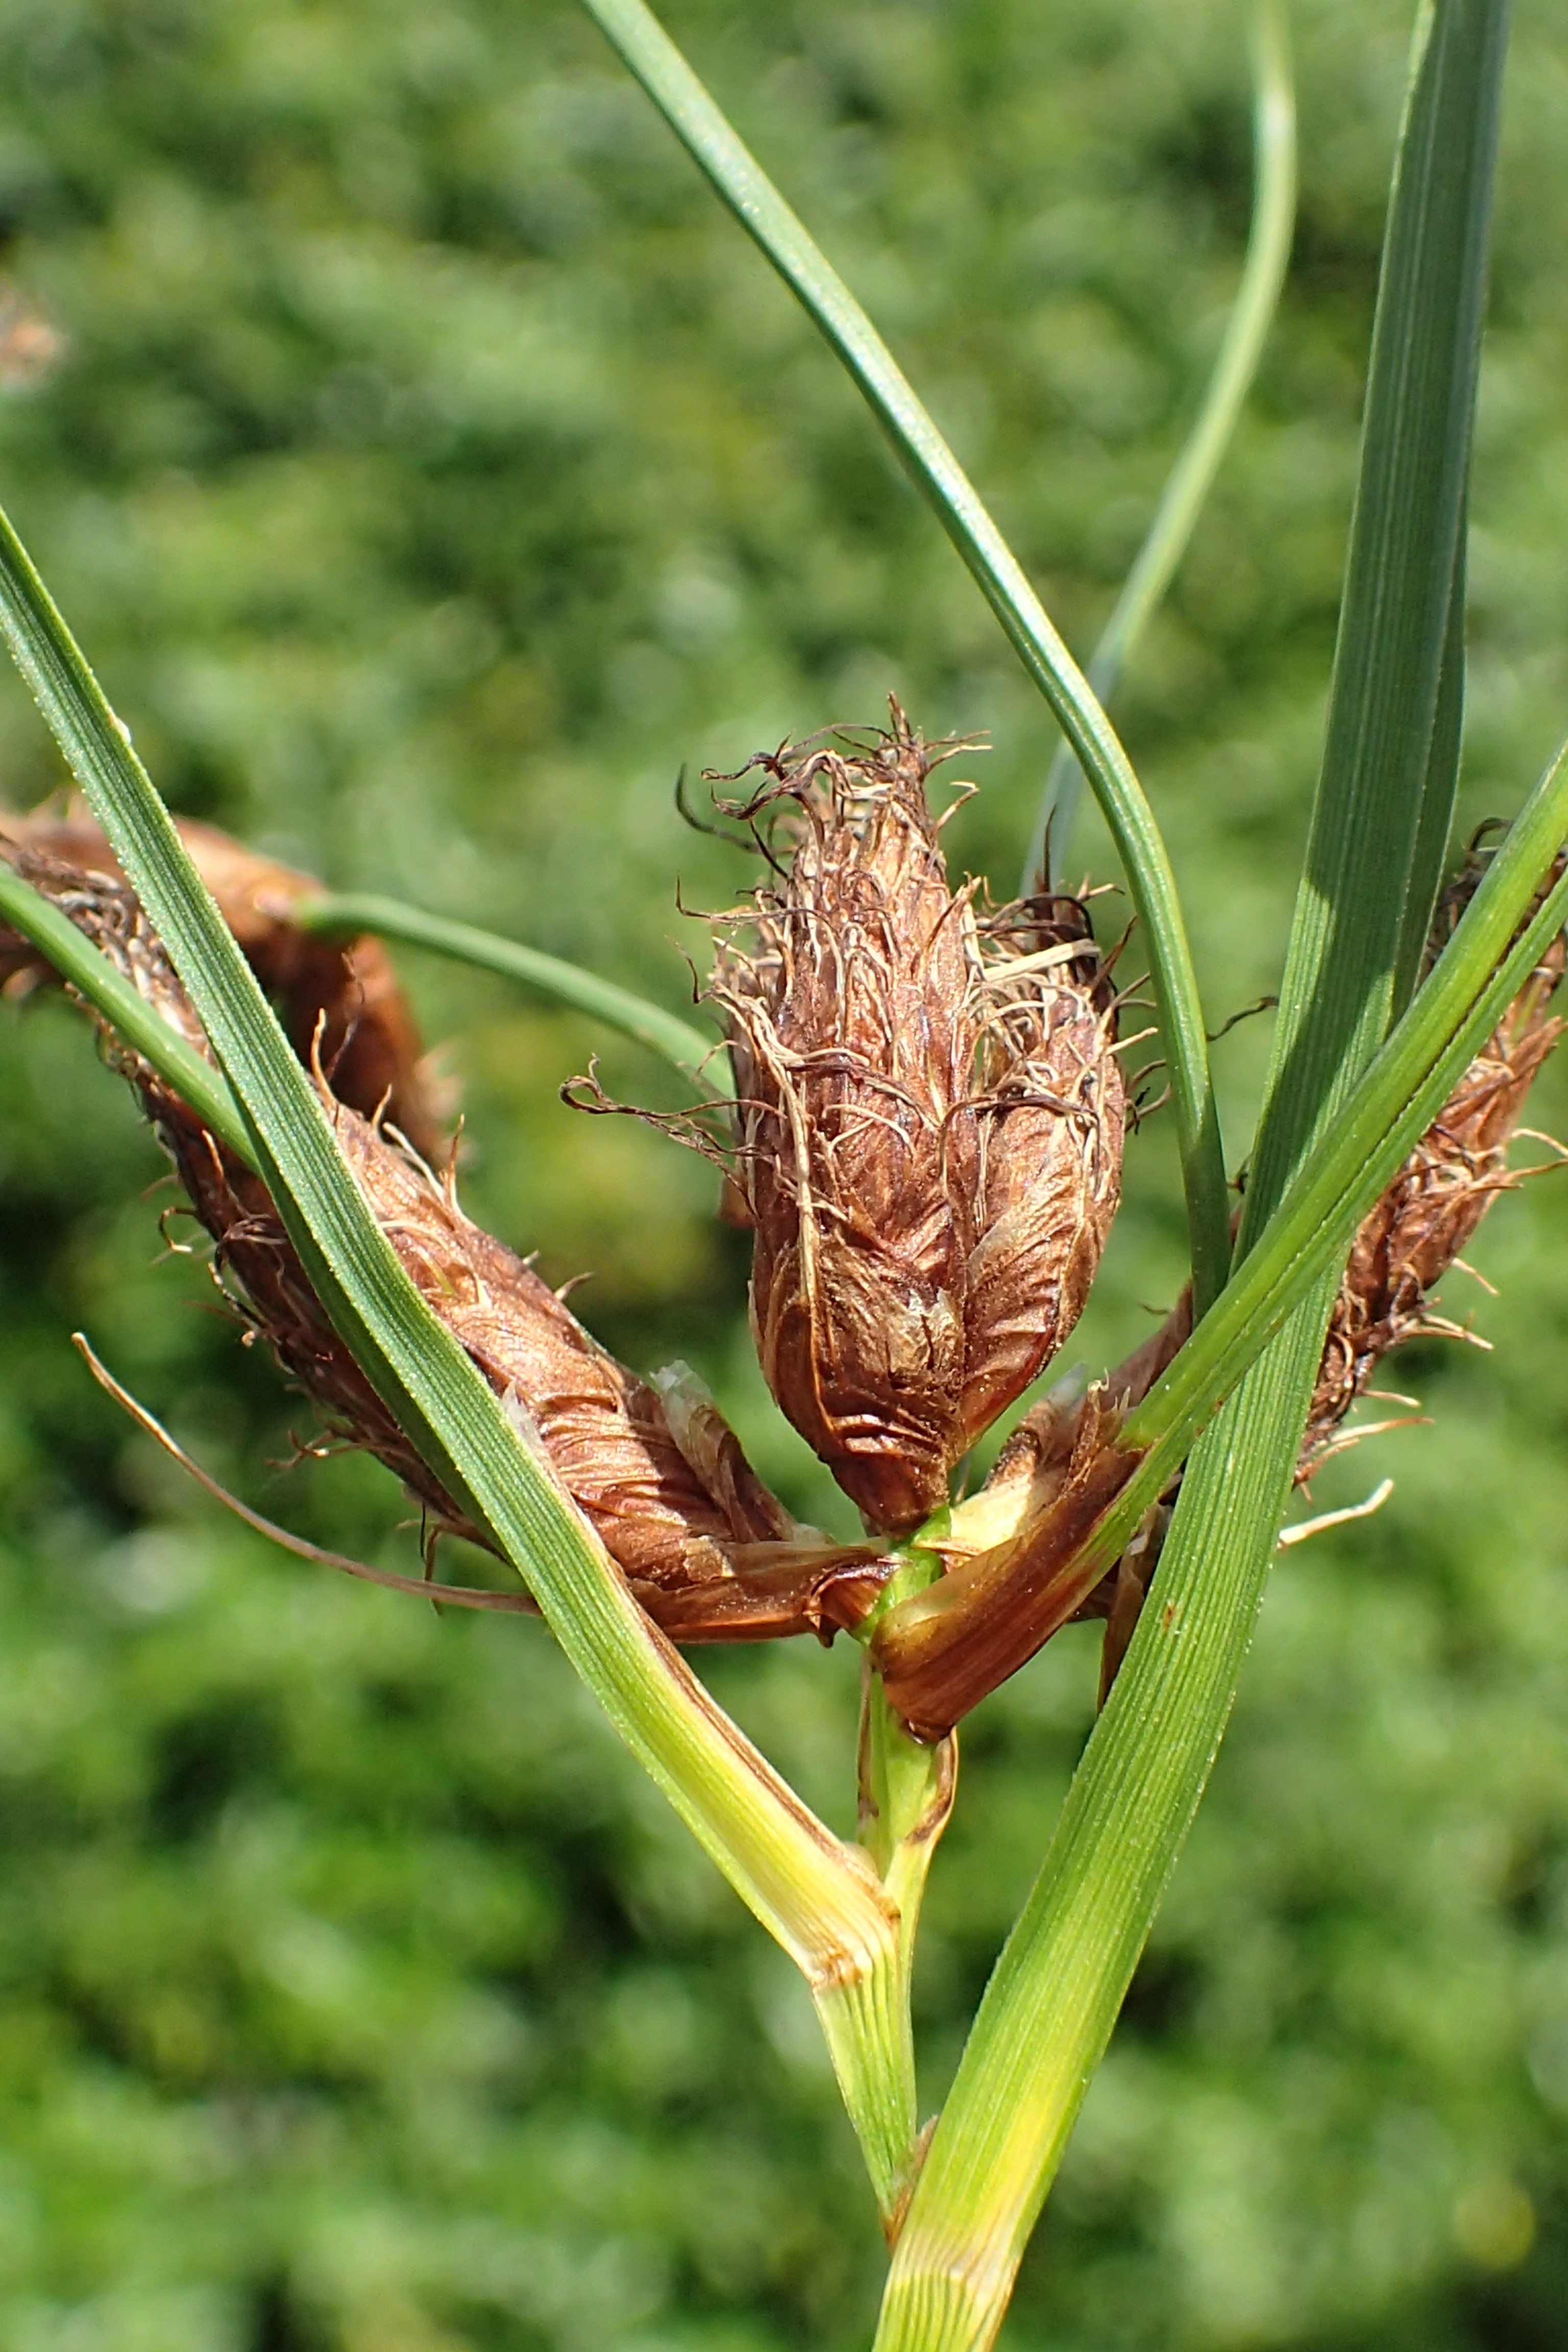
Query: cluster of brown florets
[928,1127]
[1423,1222]
[925,1138]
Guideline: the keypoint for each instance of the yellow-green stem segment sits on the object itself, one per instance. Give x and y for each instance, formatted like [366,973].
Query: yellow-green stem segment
[907,1789]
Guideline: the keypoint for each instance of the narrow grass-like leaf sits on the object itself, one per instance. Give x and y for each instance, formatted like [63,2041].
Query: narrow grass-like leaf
[1053,1999]
[1387,782]
[1383,810]
[810,1891]
[735,173]
[1192,475]
[695,1056]
[1430,853]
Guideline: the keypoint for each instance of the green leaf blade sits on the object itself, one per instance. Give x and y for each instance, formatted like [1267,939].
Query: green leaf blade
[677,1042]
[1391,757]
[1383,800]
[738,180]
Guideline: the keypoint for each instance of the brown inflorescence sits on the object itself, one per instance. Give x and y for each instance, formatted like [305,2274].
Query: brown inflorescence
[928,1129]
[662,1480]
[1427,1216]
[928,1124]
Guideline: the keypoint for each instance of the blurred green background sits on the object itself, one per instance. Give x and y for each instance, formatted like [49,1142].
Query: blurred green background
[432,469]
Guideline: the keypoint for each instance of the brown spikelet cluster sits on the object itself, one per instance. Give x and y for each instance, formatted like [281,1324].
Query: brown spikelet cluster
[927,1141]
[930,1120]
[663,1483]
[1427,1216]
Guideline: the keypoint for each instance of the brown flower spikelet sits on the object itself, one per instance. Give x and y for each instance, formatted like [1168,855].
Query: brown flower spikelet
[929,1126]
[1427,1214]
[704,1546]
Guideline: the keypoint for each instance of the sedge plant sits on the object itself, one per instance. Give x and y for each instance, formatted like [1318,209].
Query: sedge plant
[923,1234]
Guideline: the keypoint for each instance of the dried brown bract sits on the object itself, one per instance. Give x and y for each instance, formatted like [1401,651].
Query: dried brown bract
[706,1549]
[930,1120]
[338,1000]
[1022,1569]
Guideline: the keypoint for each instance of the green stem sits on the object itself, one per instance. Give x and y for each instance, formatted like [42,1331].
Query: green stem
[1050,2007]
[907,1788]
[735,173]
[682,1046]
[813,1894]
[1192,475]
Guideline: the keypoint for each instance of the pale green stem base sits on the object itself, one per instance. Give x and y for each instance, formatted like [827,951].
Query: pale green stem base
[865,2022]
[906,1799]
[1052,2003]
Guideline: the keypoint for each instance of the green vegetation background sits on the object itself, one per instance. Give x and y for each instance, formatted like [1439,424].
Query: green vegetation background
[432,470]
